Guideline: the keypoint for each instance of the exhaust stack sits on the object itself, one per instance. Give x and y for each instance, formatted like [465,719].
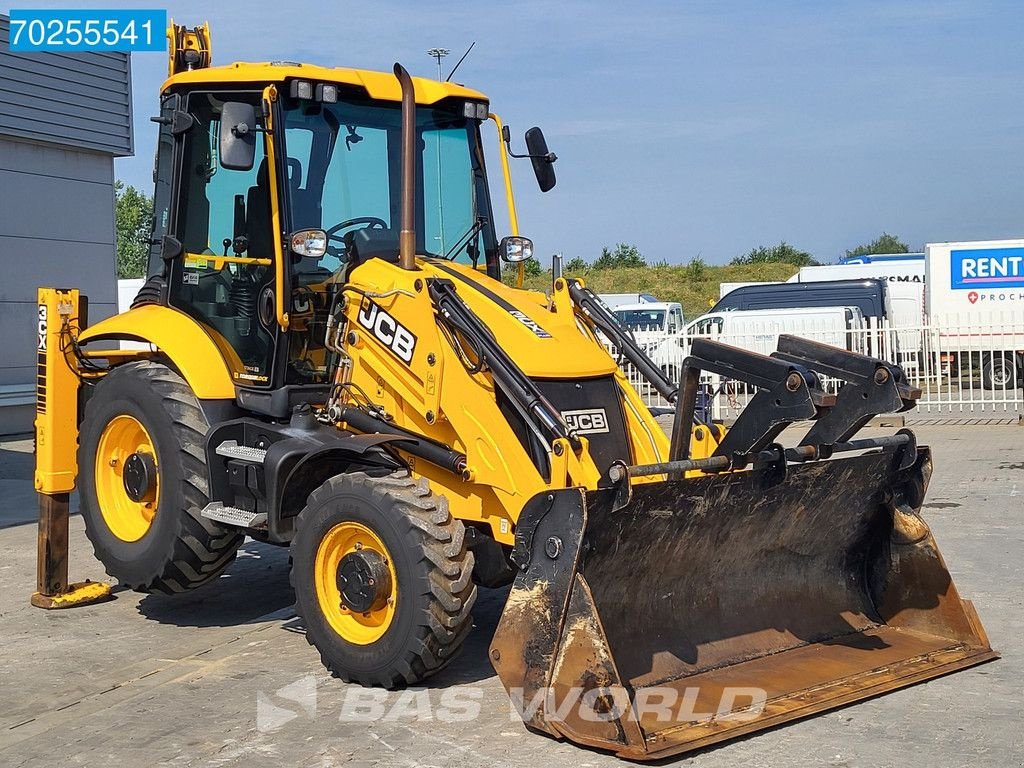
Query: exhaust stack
[407,234]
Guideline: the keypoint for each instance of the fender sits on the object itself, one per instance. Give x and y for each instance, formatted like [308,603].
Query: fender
[300,456]
[350,452]
[190,347]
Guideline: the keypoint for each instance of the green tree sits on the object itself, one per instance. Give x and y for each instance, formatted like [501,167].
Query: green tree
[884,243]
[575,265]
[532,268]
[623,255]
[781,253]
[133,214]
[696,269]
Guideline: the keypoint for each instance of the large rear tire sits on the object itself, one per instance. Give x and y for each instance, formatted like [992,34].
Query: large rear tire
[382,578]
[145,423]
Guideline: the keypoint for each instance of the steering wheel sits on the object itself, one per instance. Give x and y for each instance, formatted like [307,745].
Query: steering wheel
[372,221]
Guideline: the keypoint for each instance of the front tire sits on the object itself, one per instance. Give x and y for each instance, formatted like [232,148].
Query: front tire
[144,423]
[382,578]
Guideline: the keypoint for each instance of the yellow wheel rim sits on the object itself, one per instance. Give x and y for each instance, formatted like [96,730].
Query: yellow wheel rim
[359,628]
[128,520]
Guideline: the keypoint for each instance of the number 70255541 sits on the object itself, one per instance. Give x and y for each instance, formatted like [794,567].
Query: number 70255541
[36,30]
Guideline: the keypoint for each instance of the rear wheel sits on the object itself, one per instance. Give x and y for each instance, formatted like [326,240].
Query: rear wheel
[999,372]
[143,482]
[382,578]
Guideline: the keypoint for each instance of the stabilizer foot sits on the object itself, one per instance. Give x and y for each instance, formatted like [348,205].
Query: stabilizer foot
[81,593]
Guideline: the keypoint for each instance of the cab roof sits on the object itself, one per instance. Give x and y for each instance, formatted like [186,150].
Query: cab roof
[379,85]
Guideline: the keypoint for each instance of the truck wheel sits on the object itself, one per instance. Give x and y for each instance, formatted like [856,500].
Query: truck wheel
[382,578]
[999,372]
[143,482]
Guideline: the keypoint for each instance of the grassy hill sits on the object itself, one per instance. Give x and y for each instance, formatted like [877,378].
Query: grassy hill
[693,286]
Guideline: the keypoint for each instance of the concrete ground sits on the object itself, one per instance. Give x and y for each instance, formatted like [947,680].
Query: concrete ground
[223,676]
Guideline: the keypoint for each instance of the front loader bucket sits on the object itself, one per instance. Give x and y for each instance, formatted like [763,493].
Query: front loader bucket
[713,606]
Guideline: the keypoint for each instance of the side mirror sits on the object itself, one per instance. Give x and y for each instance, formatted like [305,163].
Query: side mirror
[543,160]
[237,136]
[516,249]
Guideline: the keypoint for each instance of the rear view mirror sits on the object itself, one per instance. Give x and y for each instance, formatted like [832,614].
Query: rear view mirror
[237,136]
[542,159]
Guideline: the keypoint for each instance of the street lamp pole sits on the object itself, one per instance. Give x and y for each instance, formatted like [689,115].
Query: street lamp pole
[438,53]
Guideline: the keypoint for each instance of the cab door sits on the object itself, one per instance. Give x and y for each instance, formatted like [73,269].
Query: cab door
[224,275]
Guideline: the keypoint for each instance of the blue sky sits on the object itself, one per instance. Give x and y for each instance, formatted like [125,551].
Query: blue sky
[692,128]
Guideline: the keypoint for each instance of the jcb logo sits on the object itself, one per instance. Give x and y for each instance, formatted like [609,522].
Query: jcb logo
[588,421]
[391,333]
[41,328]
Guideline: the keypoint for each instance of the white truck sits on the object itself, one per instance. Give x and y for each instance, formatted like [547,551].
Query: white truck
[903,270]
[613,300]
[975,303]
[657,327]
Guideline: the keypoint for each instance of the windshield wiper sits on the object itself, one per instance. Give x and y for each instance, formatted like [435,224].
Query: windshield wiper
[467,237]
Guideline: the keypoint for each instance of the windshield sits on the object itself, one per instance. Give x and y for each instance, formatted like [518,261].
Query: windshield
[344,176]
[641,319]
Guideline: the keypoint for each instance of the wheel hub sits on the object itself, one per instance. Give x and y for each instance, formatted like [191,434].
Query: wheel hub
[139,476]
[364,581]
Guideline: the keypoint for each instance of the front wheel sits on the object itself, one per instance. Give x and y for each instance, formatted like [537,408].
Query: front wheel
[382,578]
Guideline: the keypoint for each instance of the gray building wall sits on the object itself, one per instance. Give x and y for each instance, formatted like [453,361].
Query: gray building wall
[63,119]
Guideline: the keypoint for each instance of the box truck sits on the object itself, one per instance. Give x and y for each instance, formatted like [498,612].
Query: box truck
[905,284]
[974,298]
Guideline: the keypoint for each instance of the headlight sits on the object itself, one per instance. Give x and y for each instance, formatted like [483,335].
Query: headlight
[311,243]
[516,249]
[475,110]
[301,89]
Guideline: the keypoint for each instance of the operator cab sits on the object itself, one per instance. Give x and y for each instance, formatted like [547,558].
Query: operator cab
[305,171]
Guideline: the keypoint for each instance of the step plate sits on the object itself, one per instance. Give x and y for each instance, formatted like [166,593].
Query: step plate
[241,518]
[233,450]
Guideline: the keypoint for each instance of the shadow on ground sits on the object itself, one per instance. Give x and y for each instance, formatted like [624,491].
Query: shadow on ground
[253,586]
[256,586]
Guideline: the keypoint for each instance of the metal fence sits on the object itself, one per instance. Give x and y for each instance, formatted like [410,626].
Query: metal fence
[964,370]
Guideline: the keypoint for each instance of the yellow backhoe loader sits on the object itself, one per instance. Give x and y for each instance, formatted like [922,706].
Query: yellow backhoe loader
[331,362]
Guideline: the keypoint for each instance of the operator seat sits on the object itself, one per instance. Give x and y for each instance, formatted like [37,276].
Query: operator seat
[258,228]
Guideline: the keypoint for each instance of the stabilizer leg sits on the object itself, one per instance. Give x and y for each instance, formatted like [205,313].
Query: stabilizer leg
[52,588]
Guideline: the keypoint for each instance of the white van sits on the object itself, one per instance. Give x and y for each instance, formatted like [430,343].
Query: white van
[758,330]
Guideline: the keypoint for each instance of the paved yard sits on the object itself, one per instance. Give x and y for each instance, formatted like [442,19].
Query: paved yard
[223,676]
